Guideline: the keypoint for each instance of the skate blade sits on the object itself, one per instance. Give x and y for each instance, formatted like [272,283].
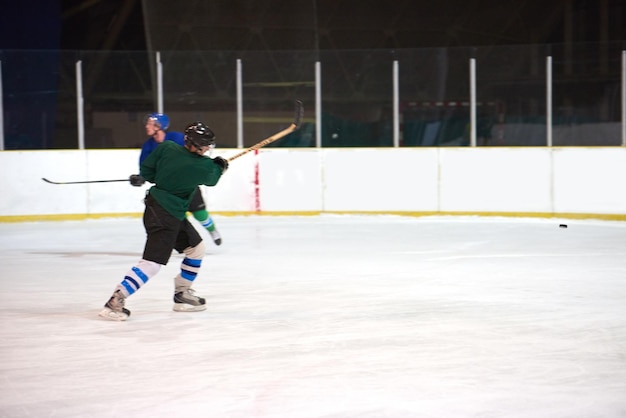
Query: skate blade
[183,307]
[110,315]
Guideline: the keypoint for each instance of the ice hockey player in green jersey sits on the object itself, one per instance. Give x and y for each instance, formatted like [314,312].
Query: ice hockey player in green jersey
[176,173]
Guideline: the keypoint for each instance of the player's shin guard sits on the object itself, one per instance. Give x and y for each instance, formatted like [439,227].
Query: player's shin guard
[184,297]
[138,276]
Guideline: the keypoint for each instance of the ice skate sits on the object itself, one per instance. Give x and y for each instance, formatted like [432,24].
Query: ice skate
[114,309]
[217,238]
[187,301]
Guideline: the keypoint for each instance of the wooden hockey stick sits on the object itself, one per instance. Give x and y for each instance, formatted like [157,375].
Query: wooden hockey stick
[295,125]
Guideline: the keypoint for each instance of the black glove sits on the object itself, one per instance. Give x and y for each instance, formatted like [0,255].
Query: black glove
[221,162]
[136,180]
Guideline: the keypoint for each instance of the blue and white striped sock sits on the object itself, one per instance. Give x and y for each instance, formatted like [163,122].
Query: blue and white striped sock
[137,276]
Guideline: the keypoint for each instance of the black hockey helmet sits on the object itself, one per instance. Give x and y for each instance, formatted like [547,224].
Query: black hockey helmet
[199,135]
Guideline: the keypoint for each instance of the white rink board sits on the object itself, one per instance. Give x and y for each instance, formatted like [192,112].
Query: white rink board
[446,180]
[385,179]
[495,180]
[235,190]
[110,197]
[25,193]
[291,180]
[590,180]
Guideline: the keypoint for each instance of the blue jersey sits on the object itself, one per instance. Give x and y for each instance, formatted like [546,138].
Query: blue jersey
[151,144]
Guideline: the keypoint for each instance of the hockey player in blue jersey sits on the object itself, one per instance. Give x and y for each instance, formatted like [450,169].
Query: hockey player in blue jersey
[157,125]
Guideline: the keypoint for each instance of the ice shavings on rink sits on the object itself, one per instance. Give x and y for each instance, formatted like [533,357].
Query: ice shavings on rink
[329,316]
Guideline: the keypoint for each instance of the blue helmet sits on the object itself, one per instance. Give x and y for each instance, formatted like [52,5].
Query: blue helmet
[160,120]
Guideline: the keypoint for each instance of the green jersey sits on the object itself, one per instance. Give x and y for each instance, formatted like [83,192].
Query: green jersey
[176,173]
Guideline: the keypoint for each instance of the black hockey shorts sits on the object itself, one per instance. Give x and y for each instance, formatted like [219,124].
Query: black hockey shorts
[197,202]
[165,233]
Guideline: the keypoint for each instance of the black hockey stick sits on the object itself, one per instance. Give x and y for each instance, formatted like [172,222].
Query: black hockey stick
[295,125]
[81,182]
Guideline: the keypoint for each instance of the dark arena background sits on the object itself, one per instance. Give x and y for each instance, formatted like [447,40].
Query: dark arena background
[278,42]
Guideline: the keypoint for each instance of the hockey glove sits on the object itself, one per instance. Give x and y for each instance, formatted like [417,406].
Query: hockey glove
[136,180]
[221,162]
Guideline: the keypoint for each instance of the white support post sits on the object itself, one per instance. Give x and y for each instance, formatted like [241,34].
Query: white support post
[239,105]
[80,105]
[473,102]
[1,112]
[396,104]
[159,67]
[624,98]
[318,104]
[549,101]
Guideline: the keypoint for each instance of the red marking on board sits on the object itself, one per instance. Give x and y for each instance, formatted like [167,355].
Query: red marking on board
[257,189]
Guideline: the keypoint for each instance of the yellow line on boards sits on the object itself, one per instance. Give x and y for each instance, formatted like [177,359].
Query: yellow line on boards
[548,215]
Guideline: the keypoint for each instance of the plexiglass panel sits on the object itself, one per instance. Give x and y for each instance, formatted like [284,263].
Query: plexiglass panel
[41,106]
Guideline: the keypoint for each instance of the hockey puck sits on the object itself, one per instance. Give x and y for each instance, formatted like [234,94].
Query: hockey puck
[562,226]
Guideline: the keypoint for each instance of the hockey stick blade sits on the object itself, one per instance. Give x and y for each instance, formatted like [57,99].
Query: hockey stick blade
[81,182]
[295,125]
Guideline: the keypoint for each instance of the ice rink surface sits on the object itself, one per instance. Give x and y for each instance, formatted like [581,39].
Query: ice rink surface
[329,316]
